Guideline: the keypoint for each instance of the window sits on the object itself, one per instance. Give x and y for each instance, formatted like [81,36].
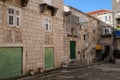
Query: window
[106,31]
[94,38]
[118,20]
[17,18]
[107,18]
[48,25]
[47,1]
[86,38]
[13,17]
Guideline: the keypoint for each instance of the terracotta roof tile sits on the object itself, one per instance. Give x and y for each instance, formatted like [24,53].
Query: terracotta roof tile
[98,11]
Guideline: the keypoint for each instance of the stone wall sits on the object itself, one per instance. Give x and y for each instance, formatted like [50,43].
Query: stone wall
[31,33]
[81,29]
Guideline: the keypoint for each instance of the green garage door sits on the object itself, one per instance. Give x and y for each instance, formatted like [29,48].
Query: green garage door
[49,58]
[10,62]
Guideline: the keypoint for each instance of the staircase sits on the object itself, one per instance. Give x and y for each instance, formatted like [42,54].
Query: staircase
[88,59]
[89,53]
[75,64]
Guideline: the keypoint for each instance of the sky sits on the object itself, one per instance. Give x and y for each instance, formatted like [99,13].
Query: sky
[89,5]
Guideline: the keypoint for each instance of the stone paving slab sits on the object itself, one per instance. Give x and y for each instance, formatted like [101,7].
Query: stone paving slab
[104,71]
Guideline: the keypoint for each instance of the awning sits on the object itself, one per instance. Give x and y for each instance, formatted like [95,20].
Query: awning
[98,47]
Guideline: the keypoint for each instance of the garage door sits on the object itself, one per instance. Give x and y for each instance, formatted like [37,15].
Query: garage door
[10,62]
[49,58]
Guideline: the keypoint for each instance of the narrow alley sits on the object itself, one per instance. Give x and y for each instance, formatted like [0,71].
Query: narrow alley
[97,71]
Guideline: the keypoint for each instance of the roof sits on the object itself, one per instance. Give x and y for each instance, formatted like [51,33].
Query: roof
[82,12]
[98,12]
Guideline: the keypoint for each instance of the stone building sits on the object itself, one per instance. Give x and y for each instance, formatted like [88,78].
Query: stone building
[104,46]
[31,36]
[103,15]
[116,21]
[80,35]
[105,40]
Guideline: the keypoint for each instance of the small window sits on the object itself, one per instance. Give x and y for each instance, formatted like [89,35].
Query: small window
[47,22]
[13,17]
[17,18]
[118,20]
[94,38]
[84,37]
[11,11]
[106,31]
[107,18]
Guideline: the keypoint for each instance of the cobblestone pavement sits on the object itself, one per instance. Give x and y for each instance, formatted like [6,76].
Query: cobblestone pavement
[104,71]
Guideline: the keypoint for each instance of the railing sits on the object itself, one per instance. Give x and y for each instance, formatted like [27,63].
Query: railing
[106,35]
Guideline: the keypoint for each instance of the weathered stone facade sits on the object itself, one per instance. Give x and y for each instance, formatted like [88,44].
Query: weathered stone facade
[105,37]
[103,15]
[116,21]
[82,29]
[31,34]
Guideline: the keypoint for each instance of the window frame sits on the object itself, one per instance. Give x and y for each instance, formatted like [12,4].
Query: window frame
[15,16]
[47,21]
[8,16]
[107,18]
[106,31]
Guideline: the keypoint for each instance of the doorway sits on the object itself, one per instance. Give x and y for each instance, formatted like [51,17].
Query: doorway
[48,58]
[106,53]
[72,50]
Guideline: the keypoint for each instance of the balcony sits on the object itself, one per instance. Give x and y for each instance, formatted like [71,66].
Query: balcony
[106,32]
[24,2]
[117,33]
[45,6]
[106,35]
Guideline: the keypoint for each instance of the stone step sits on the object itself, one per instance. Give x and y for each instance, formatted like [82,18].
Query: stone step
[75,64]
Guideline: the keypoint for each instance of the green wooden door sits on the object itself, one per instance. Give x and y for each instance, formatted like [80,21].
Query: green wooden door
[10,62]
[49,58]
[72,50]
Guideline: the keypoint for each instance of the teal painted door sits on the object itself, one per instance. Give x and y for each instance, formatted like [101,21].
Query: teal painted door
[10,62]
[72,50]
[49,58]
